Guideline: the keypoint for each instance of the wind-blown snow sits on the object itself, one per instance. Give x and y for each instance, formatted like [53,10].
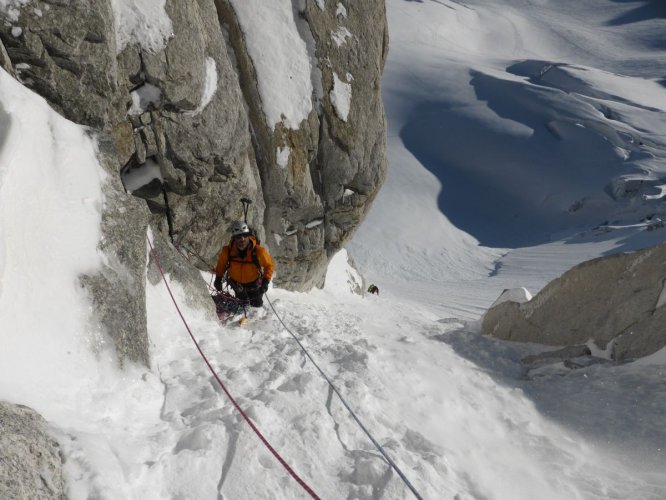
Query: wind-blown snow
[281,59]
[141,22]
[341,96]
[523,93]
[210,86]
[50,212]
[519,295]
[340,36]
[282,156]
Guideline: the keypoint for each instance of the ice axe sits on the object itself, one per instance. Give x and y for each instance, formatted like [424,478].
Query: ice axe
[246,205]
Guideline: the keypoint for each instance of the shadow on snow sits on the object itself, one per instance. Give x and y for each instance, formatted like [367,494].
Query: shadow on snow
[515,176]
[650,9]
[615,405]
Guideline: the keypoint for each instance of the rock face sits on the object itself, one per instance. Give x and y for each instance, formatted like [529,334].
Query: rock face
[30,463]
[187,114]
[117,291]
[319,195]
[620,299]
[194,108]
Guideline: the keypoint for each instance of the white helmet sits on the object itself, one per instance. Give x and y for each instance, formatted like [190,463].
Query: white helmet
[239,227]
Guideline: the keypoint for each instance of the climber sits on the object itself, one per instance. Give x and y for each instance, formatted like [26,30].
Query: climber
[247,265]
[373,289]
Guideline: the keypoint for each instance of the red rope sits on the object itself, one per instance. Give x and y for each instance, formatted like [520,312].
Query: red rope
[212,370]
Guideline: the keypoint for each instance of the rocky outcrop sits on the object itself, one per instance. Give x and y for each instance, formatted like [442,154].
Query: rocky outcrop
[30,462]
[193,108]
[186,115]
[117,291]
[618,301]
[317,196]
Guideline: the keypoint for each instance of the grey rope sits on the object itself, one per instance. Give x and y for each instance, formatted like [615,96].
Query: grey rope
[351,412]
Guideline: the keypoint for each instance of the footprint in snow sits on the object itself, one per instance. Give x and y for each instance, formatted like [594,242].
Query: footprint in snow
[298,383]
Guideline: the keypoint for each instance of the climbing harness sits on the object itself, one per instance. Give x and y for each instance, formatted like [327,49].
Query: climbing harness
[351,412]
[227,306]
[291,472]
[246,205]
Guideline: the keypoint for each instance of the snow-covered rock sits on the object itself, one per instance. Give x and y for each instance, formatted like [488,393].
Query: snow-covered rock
[614,299]
[215,106]
[519,295]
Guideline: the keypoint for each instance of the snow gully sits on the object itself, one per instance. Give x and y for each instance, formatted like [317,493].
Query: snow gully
[300,481]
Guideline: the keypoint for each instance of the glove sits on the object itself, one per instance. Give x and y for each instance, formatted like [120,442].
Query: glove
[264,285]
[218,283]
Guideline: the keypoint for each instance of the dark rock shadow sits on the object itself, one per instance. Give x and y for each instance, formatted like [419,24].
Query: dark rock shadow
[649,9]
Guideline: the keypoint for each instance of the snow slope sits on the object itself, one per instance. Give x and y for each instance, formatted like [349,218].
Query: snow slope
[457,412]
[515,129]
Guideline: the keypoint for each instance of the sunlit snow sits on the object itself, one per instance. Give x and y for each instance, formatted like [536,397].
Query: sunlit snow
[341,96]
[483,147]
[210,86]
[280,57]
[141,22]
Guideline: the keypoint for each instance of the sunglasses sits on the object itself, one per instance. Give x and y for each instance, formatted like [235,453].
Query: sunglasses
[241,236]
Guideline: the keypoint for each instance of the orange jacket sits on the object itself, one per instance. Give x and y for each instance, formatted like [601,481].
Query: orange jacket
[243,270]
